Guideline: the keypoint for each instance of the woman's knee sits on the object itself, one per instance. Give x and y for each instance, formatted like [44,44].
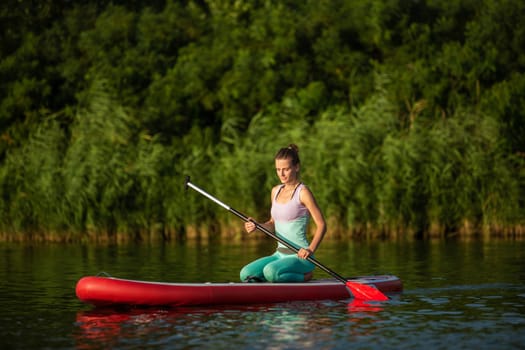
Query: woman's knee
[255,268]
[244,273]
[281,271]
[271,273]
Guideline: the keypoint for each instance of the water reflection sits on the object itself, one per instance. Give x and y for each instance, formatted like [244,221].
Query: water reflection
[283,323]
[364,306]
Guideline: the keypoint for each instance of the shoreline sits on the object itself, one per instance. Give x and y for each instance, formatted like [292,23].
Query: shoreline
[235,233]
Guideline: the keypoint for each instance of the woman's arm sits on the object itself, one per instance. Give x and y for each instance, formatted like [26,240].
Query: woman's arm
[249,226]
[308,200]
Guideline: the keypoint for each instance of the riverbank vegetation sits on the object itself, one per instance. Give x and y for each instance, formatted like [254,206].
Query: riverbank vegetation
[409,115]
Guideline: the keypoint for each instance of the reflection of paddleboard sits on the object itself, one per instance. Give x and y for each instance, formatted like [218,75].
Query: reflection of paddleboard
[104,291]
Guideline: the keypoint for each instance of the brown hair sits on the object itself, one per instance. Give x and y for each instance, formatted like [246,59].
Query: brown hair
[292,152]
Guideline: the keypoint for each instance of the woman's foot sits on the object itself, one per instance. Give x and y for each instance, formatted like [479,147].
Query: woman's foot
[253,279]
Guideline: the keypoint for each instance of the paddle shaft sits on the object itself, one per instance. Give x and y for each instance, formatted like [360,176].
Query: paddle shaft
[265,230]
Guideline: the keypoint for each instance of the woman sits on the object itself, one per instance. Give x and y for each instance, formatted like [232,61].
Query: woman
[292,206]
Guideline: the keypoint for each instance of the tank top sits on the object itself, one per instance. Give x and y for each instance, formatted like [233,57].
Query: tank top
[291,219]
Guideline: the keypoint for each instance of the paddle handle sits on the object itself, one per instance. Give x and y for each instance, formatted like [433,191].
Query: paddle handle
[265,230]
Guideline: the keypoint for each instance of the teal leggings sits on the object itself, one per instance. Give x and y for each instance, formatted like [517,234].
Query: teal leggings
[277,267]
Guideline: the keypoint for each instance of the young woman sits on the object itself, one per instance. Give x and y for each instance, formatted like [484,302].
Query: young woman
[292,206]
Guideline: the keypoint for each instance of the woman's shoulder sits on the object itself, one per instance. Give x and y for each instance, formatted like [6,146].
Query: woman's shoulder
[275,189]
[303,187]
[305,191]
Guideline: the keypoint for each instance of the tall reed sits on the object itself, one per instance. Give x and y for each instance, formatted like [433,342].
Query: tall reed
[31,183]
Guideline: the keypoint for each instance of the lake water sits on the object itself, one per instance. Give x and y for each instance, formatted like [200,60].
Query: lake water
[460,295]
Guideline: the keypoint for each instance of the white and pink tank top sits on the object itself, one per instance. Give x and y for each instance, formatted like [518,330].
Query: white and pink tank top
[291,219]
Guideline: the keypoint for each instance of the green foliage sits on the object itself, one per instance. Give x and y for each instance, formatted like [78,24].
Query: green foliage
[409,115]
[97,175]
[31,182]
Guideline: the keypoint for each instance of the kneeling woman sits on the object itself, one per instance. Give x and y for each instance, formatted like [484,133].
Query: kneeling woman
[292,206]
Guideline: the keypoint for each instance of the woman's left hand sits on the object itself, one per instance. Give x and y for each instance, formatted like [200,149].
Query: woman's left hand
[304,253]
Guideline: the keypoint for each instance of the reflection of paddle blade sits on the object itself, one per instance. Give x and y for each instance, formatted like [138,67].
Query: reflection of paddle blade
[356,305]
[364,292]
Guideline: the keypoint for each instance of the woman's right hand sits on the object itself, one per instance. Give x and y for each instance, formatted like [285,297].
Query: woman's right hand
[249,225]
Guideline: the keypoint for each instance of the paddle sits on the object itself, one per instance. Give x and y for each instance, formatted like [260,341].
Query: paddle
[358,290]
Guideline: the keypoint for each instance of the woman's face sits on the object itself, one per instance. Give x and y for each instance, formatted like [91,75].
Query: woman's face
[286,172]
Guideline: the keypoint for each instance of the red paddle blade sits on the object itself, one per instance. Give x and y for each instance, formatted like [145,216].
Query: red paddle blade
[365,292]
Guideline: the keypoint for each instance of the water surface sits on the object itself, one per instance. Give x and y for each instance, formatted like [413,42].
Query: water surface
[462,295]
